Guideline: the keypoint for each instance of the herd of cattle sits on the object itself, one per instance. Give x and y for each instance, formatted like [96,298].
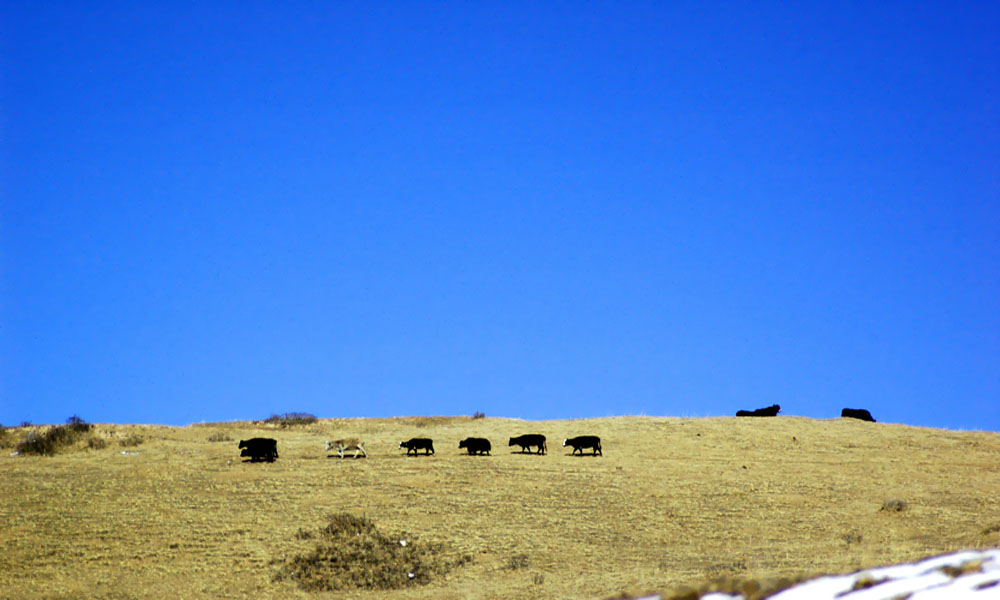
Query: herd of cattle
[266,449]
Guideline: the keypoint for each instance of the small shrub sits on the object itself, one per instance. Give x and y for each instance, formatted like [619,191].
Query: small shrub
[893,506]
[519,561]
[352,554]
[48,443]
[25,424]
[218,436]
[291,419]
[96,443]
[36,444]
[78,425]
[479,415]
[131,441]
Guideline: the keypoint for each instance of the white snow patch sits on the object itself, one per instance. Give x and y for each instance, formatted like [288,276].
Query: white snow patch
[967,575]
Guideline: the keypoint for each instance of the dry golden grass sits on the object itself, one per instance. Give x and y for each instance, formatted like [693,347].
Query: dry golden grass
[672,502]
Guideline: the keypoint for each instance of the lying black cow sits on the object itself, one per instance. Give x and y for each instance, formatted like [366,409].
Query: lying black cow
[259,449]
[414,444]
[770,411]
[584,441]
[476,445]
[527,441]
[857,413]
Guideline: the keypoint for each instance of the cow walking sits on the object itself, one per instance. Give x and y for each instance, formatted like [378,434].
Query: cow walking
[527,441]
[414,444]
[581,442]
[474,445]
[259,449]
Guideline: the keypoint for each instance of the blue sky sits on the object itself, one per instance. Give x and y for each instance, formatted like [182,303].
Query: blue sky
[225,210]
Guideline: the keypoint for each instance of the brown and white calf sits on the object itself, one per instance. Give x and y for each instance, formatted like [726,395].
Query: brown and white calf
[347,444]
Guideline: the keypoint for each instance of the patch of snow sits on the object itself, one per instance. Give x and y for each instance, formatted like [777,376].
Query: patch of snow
[966,575]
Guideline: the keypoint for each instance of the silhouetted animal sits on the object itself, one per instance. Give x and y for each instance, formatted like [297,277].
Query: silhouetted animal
[346,444]
[527,441]
[414,444]
[770,411]
[584,441]
[476,445]
[857,413]
[259,449]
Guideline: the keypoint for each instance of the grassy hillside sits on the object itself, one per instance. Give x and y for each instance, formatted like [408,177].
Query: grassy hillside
[672,502]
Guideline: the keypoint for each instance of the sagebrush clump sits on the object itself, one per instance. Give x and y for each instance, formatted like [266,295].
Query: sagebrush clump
[351,553]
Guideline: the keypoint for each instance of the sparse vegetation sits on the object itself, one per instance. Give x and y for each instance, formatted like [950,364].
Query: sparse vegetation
[96,443]
[665,508]
[131,441]
[353,554]
[291,419]
[219,436]
[479,415]
[55,438]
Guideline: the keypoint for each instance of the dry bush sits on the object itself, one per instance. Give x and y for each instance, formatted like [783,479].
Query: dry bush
[479,415]
[291,419]
[78,425]
[352,554]
[96,443]
[219,436]
[131,441]
[54,439]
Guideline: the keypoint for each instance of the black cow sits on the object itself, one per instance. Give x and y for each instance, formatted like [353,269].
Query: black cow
[414,444]
[259,449]
[770,411]
[529,440]
[857,413]
[584,441]
[476,445]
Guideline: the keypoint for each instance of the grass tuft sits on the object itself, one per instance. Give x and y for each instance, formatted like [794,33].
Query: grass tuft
[351,553]
[219,436]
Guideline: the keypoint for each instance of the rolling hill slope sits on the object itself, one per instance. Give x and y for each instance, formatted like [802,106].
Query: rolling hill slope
[673,501]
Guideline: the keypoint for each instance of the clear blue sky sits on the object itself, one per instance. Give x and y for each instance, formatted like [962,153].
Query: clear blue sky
[224,210]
